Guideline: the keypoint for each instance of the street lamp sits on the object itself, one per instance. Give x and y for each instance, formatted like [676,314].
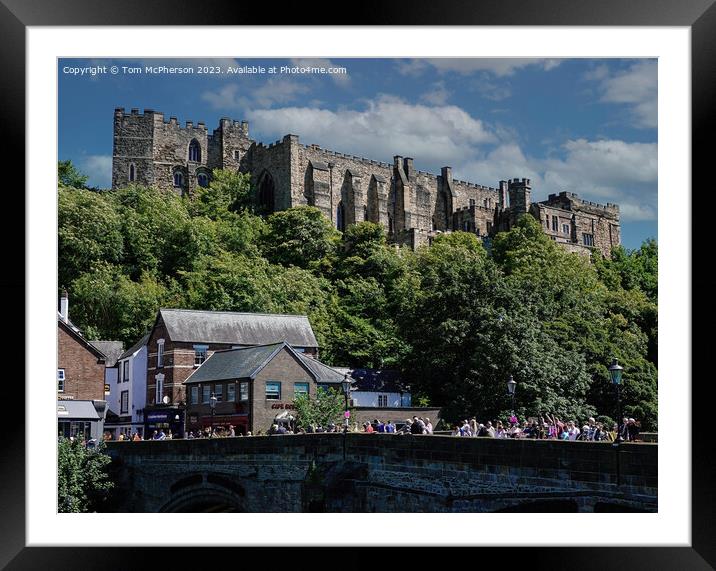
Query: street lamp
[346,384]
[615,372]
[511,386]
[212,403]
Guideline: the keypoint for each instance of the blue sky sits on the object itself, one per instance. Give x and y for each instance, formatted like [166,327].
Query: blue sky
[582,125]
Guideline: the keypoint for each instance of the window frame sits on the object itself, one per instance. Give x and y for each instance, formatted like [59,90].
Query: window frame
[206,394]
[243,391]
[125,371]
[197,352]
[219,392]
[566,228]
[278,397]
[383,398]
[160,353]
[194,394]
[158,388]
[61,381]
[231,392]
[124,402]
[194,146]
[303,384]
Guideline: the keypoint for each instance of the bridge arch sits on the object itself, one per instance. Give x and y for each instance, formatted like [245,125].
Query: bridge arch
[205,493]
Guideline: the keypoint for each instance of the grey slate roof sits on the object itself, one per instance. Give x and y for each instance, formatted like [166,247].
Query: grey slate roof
[112,350]
[134,348]
[79,409]
[245,362]
[193,326]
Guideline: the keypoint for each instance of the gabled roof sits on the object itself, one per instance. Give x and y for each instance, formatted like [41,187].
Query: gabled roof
[193,326]
[112,349]
[246,362]
[136,347]
[74,332]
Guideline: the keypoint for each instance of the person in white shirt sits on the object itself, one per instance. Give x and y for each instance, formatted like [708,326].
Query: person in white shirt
[572,430]
[428,425]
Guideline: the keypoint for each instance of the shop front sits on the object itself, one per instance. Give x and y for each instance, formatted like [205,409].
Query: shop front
[166,419]
[221,422]
[79,419]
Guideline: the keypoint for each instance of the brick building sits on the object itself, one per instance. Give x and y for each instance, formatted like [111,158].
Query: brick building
[253,385]
[81,405]
[413,206]
[181,340]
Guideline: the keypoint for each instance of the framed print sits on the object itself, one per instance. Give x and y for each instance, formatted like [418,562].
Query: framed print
[277,215]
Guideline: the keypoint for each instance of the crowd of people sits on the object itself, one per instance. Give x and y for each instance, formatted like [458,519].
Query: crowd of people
[544,427]
[551,427]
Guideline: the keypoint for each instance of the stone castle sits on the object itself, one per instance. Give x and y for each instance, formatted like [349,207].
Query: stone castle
[413,206]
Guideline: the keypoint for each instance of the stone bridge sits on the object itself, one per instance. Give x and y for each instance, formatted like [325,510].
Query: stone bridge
[381,473]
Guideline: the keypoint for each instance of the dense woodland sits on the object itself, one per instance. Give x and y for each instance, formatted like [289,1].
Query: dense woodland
[455,318]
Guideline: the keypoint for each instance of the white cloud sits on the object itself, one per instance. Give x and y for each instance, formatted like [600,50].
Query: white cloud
[98,168]
[385,127]
[468,65]
[438,94]
[342,79]
[636,87]
[274,90]
[601,171]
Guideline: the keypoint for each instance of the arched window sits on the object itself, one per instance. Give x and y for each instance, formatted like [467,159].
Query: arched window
[266,193]
[340,218]
[178,179]
[202,179]
[390,224]
[365,213]
[194,151]
[132,172]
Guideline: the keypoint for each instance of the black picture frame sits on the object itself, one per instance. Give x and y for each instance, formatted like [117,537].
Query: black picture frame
[699,15]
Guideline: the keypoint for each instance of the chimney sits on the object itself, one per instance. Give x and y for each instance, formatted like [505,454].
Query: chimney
[64,306]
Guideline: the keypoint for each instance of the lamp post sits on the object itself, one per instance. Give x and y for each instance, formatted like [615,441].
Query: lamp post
[511,386]
[615,372]
[346,384]
[212,403]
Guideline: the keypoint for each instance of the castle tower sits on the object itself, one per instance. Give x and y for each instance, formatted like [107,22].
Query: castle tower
[520,192]
[133,147]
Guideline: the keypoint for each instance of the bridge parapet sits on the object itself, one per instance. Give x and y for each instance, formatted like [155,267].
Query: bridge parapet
[384,472]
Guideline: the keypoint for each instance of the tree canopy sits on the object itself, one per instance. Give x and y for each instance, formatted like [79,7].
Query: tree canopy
[453,318]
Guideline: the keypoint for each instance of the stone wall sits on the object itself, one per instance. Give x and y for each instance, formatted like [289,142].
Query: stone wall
[381,473]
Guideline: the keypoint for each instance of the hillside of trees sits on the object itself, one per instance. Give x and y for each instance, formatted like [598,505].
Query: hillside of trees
[456,319]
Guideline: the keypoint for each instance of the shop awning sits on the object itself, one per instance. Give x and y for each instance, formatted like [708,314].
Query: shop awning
[76,410]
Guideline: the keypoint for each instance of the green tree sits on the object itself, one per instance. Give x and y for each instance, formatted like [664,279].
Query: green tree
[89,231]
[68,175]
[325,408]
[82,479]
[300,236]
[227,193]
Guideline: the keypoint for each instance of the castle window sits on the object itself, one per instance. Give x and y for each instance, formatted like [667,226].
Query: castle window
[485,203]
[132,172]
[565,228]
[588,239]
[178,179]
[203,179]
[365,213]
[472,203]
[390,225]
[237,155]
[489,227]
[555,224]
[194,151]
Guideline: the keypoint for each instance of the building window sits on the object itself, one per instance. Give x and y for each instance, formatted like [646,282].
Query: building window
[340,217]
[200,354]
[588,239]
[219,392]
[243,391]
[565,228]
[324,387]
[206,394]
[160,353]
[194,151]
[383,401]
[300,389]
[472,203]
[237,155]
[202,179]
[132,172]
[61,380]
[124,402]
[489,227]
[273,390]
[231,392]
[194,395]
[178,179]
[555,224]
[125,371]
[159,379]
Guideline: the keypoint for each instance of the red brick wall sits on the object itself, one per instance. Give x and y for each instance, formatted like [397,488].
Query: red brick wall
[84,373]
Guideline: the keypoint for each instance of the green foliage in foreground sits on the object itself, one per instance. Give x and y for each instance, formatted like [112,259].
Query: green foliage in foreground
[456,320]
[327,407]
[82,480]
